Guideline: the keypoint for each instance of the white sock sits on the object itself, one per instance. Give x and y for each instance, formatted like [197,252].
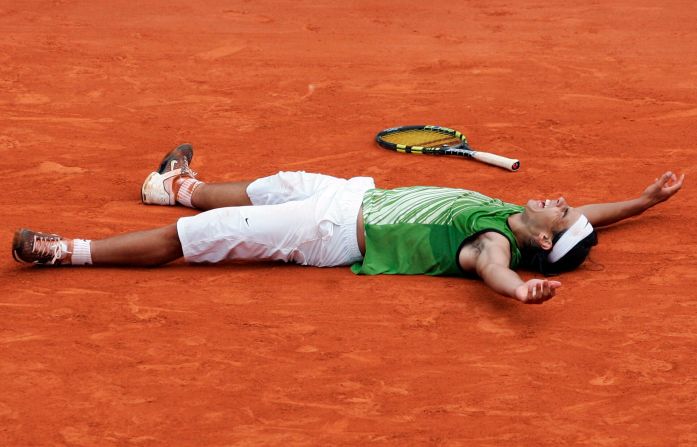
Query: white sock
[82,252]
[187,185]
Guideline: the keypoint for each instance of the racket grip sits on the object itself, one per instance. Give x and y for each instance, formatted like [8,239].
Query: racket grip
[497,160]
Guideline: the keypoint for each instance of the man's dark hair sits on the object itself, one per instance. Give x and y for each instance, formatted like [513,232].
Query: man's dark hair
[534,258]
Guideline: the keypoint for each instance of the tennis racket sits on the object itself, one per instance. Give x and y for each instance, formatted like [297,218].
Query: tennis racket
[438,140]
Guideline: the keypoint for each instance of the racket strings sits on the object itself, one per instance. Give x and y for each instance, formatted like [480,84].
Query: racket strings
[422,137]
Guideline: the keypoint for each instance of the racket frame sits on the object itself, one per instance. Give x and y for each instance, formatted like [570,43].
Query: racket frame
[462,149]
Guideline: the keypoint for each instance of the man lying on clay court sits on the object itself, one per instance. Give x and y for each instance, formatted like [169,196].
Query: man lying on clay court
[314,219]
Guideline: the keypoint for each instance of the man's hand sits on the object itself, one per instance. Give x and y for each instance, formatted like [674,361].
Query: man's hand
[663,188]
[536,291]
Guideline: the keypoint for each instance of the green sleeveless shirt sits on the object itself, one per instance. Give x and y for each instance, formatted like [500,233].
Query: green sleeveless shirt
[420,230]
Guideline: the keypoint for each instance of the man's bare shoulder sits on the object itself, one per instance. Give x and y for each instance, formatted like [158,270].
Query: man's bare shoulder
[490,243]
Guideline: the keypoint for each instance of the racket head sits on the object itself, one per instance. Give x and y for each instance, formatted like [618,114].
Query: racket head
[420,139]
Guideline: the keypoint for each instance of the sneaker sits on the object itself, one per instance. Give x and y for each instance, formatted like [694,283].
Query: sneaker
[39,248]
[158,188]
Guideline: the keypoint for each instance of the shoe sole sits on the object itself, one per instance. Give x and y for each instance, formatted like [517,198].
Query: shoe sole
[183,149]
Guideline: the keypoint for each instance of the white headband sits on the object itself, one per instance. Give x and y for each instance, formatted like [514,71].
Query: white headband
[575,234]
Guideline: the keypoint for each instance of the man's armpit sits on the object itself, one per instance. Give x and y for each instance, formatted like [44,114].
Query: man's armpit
[494,249]
[483,245]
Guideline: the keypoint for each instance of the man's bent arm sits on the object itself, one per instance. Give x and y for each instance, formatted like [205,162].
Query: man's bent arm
[492,266]
[603,214]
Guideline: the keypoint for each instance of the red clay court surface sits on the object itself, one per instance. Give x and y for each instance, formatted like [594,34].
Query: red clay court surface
[595,99]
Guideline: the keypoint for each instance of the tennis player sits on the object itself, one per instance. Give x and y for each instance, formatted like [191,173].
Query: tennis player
[314,219]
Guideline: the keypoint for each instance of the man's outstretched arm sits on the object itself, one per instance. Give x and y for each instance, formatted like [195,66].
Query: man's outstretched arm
[663,188]
[492,266]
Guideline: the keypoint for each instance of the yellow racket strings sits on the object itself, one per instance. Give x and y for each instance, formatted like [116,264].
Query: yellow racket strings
[422,138]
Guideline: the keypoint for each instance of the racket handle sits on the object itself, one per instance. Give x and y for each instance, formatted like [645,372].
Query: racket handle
[497,160]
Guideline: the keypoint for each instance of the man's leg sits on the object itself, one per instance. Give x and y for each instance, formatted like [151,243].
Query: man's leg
[141,248]
[175,183]
[208,196]
[272,190]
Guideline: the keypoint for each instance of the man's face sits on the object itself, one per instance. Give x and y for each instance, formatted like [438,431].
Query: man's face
[551,215]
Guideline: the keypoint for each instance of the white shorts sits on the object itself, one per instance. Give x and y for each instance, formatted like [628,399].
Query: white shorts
[308,219]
